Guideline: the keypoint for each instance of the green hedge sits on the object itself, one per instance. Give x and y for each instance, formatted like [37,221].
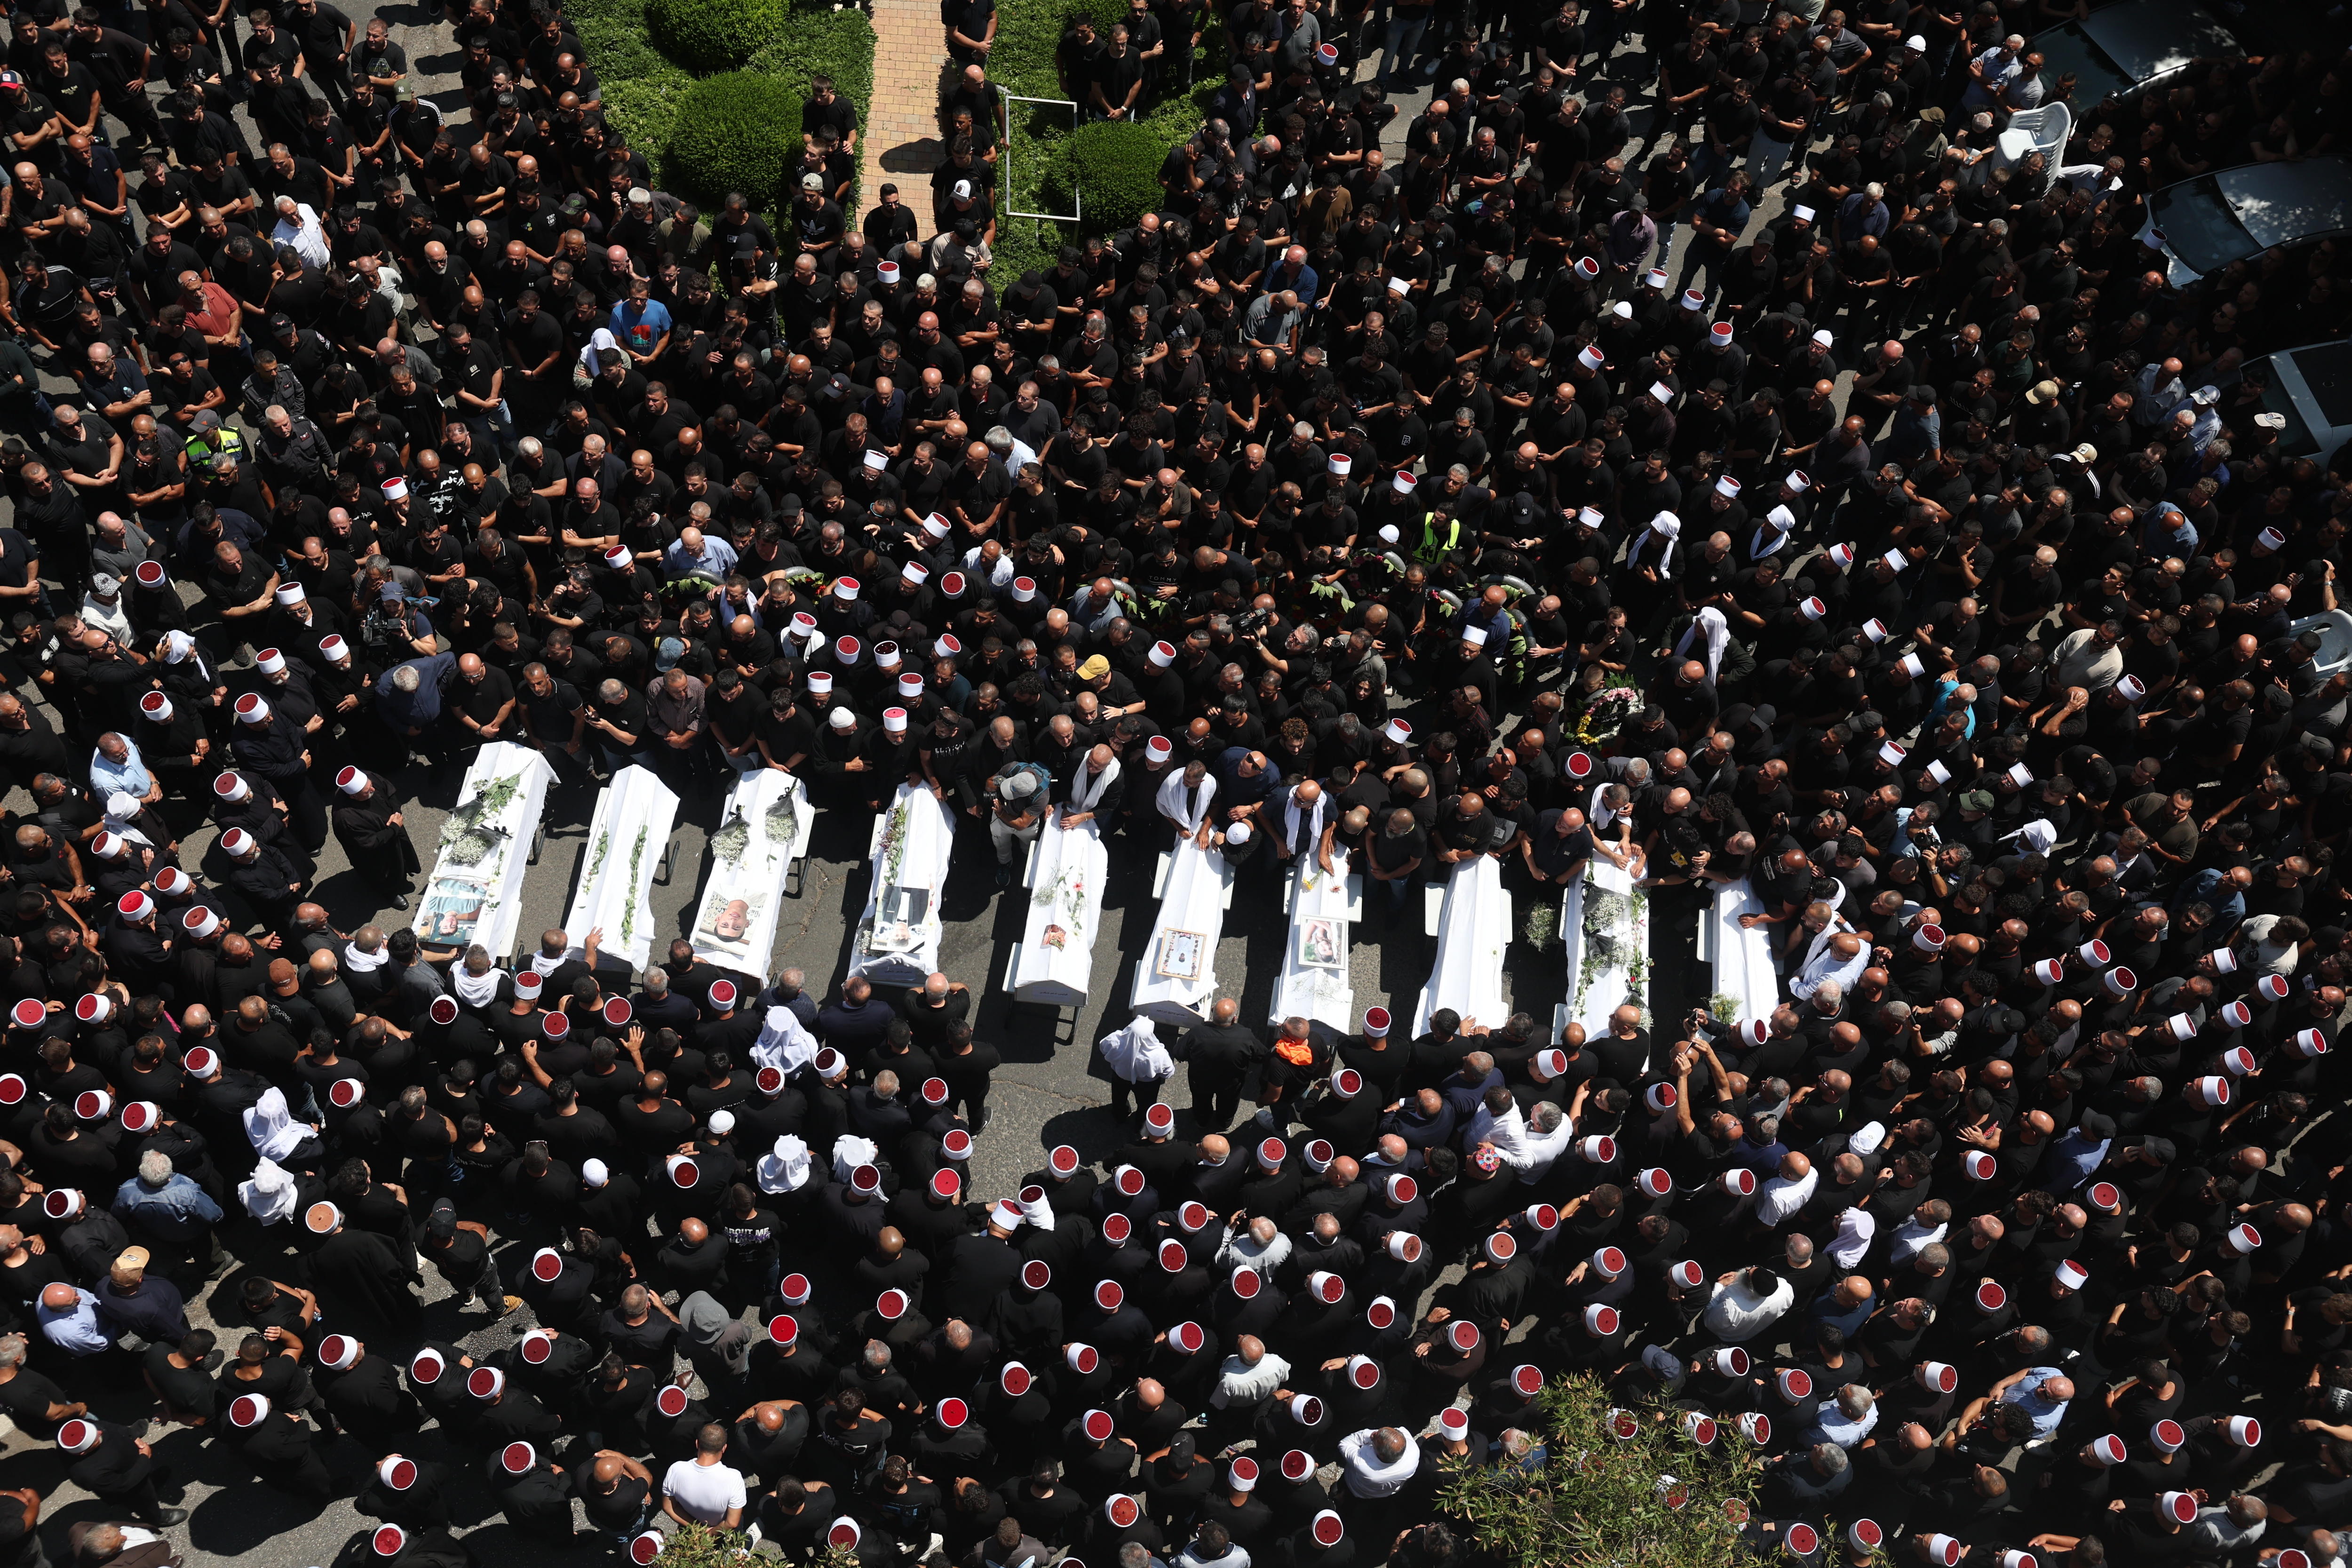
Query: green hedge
[645,89]
[713,34]
[836,44]
[641,85]
[1115,166]
[739,131]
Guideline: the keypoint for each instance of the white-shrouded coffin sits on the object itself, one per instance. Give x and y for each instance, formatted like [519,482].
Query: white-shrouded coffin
[898,936]
[1055,960]
[627,839]
[475,893]
[1177,974]
[1472,927]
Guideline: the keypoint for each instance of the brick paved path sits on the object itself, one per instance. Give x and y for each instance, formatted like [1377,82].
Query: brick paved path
[901,138]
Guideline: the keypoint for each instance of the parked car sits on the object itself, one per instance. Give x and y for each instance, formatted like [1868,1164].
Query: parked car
[2308,389]
[2203,225]
[2122,50]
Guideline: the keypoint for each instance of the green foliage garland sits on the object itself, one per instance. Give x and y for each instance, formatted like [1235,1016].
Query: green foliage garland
[699,1546]
[636,860]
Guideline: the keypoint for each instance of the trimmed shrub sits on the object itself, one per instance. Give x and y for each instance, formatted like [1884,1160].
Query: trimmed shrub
[713,34]
[836,44]
[739,131]
[1115,166]
[641,85]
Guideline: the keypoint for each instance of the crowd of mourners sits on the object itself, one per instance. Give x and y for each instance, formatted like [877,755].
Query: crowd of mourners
[1486,489]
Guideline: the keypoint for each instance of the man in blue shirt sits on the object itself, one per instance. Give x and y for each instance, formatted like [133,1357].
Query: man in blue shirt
[1293,273]
[1863,213]
[1245,779]
[2042,1393]
[2077,1153]
[133,1304]
[164,1205]
[642,323]
[1717,220]
[116,767]
[2221,890]
[1917,433]
[694,553]
[70,1320]
[408,698]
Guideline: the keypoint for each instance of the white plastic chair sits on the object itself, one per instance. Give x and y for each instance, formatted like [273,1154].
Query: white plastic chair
[2043,129]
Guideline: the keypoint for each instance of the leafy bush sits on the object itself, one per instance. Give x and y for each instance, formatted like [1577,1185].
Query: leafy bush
[641,85]
[699,1546]
[836,44]
[739,131]
[1599,1492]
[1115,168]
[713,34]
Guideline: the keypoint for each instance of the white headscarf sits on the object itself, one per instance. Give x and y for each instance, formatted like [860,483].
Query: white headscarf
[849,1151]
[1086,787]
[785,1168]
[362,962]
[1718,632]
[1176,802]
[122,814]
[177,646]
[602,338]
[1135,1052]
[1670,527]
[2038,833]
[271,1128]
[475,990]
[270,1196]
[784,1042]
[1856,1228]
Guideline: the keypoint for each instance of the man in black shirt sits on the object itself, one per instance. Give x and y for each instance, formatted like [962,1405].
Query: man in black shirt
[617,719]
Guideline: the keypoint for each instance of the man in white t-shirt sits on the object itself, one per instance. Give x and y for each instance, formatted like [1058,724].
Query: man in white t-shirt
[701,1491]
[1746,1302]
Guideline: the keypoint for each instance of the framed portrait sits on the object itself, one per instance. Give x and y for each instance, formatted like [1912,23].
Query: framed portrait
[451,908]
[904,905]
[1183,955]
[1319,943]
